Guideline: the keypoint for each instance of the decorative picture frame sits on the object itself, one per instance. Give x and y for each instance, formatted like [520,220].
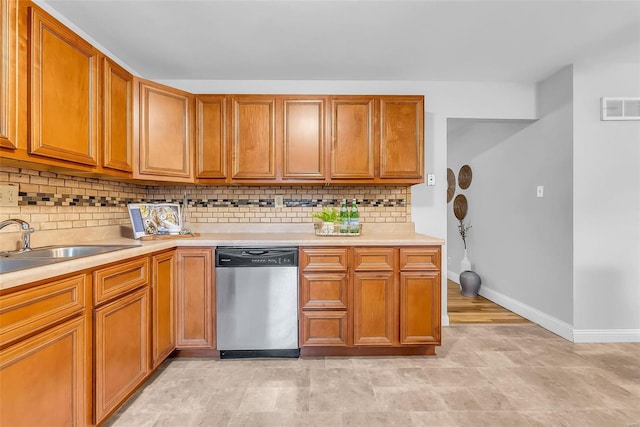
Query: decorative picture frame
[150,219]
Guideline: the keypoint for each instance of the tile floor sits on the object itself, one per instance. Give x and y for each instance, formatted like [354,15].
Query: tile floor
[483,375]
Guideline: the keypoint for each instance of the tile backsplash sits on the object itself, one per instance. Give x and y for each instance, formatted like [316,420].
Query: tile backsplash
[50,201]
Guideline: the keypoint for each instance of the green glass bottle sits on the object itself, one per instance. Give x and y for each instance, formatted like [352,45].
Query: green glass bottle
[354,218]
[344,217]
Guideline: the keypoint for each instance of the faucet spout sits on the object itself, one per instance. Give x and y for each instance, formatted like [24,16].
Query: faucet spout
[24,227]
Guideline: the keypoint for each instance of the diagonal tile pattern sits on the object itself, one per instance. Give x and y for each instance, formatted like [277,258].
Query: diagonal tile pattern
[483,375]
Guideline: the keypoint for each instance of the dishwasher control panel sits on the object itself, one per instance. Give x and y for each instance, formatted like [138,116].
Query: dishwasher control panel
[256,257]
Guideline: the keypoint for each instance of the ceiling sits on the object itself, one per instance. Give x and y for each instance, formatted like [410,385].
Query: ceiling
[418,40]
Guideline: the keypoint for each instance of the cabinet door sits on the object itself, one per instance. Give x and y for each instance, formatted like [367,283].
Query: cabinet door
[163,317]
[211,142]
[323,259]
[63,103]
[165,134]
[353,138]
[373,305]
[28,311]
[324,291]
[8,68]
[303,145]
[253,137]
[401,137]
[323,328]
[196,298]
[121,350]
[117,109]
[43,378]
[420,307]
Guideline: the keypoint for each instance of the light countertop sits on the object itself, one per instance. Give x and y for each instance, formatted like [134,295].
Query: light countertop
[211,239]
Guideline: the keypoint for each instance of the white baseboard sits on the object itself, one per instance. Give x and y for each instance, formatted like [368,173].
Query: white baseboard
[445,320]
[606,335]
[453,276]
[554,325]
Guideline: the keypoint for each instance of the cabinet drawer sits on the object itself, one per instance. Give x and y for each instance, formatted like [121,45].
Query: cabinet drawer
[113,281]
[27,311]
[323,328]
[323,259]
[373,259]
[324,291]
[421,258]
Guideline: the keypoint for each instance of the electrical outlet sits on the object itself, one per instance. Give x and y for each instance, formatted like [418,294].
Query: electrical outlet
[448,260]
[9,195]
[540,191]
[278,201]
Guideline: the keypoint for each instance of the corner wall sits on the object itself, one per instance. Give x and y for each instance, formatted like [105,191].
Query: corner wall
[606,207]
[519,244]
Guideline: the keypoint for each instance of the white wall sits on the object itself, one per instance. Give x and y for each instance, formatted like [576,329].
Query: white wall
[606,206]
[519,244]
[442,100]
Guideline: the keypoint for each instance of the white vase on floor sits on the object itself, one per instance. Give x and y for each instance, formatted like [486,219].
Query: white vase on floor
[465,264]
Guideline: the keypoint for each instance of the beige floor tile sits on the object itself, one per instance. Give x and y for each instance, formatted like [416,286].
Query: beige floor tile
[398,377]
[459,399]
[400,399]
[281,377]
[433,419]
[336,378]
[259,399]
[343,399]
[483,375]
[376,419]
[454,377]
[293,399]
[490,419]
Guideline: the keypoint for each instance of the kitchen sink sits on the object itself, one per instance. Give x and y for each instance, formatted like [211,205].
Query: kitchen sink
[75,251]
[13,264]
[13,261]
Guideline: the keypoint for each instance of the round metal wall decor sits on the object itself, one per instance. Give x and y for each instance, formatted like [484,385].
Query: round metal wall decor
[460,206]
[464,177]
[451,184]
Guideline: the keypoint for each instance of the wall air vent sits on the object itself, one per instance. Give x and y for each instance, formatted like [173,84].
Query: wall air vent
[620,108]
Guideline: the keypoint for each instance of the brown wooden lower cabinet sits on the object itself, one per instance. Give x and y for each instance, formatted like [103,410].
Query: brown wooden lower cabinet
[121,350]
[379,300]
[163,306]
[43,378]
[195,299]
[324,328]
[419,316]
[374,301]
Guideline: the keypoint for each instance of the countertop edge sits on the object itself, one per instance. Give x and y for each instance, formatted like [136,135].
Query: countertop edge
[22,277]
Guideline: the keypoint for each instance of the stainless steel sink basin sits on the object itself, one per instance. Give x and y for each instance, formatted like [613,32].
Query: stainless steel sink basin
[75,251]
[13,264]
[13,261]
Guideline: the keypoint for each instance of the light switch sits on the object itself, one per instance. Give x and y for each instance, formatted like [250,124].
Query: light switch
[431,179]
[540,192]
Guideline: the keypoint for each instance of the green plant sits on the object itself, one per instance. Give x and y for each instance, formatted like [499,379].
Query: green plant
[326,215]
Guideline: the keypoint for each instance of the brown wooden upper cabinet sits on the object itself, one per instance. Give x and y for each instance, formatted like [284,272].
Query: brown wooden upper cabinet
[117,135]
[8,69]
[253,137]
[304,139]
[163,143]
[211,137]
[402,137]
[352,138]
[63,82]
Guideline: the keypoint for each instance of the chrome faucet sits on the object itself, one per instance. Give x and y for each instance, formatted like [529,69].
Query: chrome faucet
[26,231]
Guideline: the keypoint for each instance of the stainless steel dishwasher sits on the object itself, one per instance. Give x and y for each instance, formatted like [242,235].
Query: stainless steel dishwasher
[257,302]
